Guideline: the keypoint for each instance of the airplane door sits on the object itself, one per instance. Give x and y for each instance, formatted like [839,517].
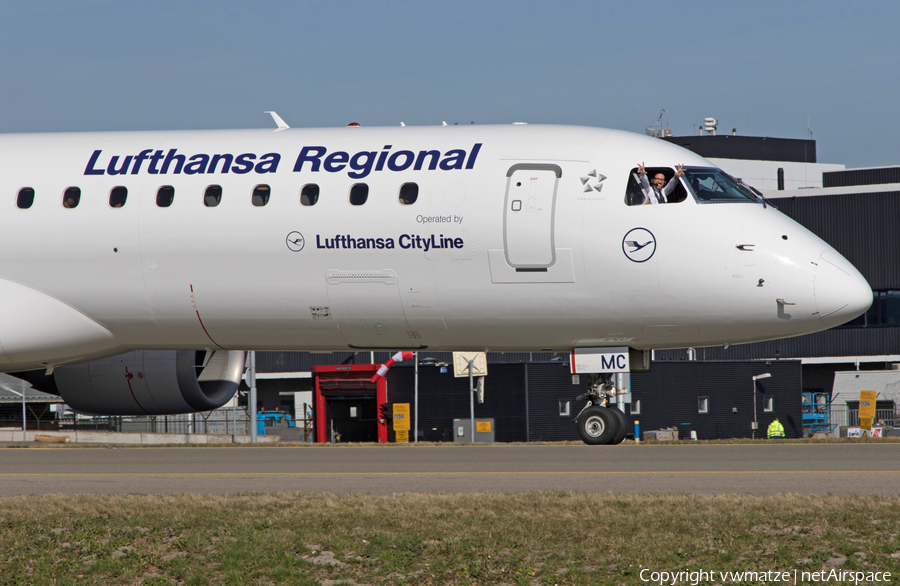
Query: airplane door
[528,215]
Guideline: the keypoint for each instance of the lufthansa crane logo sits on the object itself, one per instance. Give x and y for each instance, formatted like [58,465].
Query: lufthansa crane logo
[639,245]
[295,241]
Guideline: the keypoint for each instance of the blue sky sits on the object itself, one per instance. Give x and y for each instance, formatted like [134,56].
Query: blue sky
[764,68]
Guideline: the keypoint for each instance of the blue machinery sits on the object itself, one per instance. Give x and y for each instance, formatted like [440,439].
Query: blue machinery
[816,413]
[271,419]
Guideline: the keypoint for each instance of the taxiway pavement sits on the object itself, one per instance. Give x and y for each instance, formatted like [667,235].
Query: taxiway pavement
[763,468]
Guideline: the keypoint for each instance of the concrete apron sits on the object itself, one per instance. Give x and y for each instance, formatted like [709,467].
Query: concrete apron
[146,439]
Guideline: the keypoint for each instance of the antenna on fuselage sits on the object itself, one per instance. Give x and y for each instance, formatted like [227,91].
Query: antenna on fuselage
[281,124]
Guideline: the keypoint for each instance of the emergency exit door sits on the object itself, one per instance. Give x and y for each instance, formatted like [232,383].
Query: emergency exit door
[528,215]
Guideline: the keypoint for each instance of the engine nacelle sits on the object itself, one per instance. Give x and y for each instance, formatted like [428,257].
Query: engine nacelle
[152,382]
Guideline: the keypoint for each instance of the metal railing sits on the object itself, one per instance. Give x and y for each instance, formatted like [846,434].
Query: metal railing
[31,425]
[850,418]
[219,422]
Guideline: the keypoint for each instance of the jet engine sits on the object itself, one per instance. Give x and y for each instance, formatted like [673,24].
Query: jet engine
[149,382]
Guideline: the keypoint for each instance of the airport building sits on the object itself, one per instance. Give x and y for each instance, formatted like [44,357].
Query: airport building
[768,164]
[531,397]
[537,401]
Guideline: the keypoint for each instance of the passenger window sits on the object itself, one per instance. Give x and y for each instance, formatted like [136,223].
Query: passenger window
[309,195]
[212,196]
[638,192]
[25,199]
[165,195]
[117,197]
[260,195]
[359,193]
[71,197]
[409,193]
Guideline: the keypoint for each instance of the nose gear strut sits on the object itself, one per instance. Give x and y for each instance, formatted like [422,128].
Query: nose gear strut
[599,422]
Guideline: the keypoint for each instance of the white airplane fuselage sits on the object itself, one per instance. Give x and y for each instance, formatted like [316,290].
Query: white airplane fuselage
[516,241]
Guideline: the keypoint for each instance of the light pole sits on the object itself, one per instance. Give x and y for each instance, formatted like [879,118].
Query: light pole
[472,398]
[756,378]
[251,399]
[416,396]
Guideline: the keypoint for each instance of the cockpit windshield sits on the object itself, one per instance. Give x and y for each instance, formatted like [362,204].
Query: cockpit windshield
[715,186]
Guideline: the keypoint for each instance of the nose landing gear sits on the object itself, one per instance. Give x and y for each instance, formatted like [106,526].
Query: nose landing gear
[600,423]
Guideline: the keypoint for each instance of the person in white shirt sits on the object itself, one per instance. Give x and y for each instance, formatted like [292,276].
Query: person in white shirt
[655,187]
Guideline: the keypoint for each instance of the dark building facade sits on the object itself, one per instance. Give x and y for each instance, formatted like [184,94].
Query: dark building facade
[757,148]
[537,401]
[524,399]
[715,399]
[274,362]
[854,177]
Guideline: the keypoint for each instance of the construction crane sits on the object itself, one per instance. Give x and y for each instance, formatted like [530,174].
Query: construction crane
[657,130]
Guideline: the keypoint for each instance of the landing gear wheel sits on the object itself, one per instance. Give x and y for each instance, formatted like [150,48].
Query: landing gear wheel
[597,426]
[622,428]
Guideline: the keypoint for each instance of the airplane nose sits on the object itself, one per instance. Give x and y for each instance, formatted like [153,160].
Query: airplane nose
[841,292]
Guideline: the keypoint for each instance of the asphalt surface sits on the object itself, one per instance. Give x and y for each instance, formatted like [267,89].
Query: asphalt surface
[709,469]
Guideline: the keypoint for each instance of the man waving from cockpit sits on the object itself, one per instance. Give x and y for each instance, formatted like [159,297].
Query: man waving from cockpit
[655,190]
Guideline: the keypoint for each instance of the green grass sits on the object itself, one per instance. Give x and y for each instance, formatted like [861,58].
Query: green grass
[522,539]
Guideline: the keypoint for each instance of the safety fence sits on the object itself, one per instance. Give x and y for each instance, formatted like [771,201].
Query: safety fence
[31,425]
[839,417]
[219,422]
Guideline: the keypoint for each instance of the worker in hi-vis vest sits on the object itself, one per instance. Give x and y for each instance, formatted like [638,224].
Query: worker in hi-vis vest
[776,429]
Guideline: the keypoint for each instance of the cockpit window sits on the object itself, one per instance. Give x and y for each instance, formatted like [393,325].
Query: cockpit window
[639,192]
[715,186]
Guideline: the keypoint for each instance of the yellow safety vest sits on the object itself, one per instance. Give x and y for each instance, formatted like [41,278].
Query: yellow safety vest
[776,429]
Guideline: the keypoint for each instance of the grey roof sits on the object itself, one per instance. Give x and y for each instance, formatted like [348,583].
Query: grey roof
[847,385]
[10,383]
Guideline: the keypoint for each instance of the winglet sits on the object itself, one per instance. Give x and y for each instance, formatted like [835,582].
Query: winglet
[281,124]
